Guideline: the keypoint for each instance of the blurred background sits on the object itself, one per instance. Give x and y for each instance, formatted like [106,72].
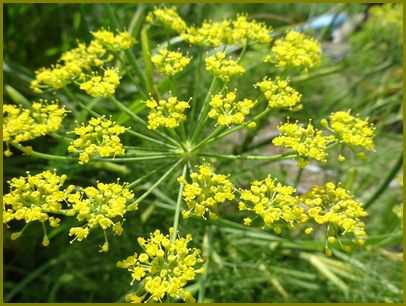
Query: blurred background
[361,69]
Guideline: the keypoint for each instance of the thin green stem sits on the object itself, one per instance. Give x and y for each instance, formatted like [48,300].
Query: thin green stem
[134,205]
[239,127]
[298,177]
[150,139]
[206,252]
[201,120]
[209,137]
[124,108]
[392,173]
[33,153]
[275,157]
[140,179]
[131,159]
[178,207]
[146,52]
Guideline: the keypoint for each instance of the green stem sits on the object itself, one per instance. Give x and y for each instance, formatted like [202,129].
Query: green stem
[201,120]
[41,155]
[208,138]
[275,157]
[140,179]
[206,252]
[131,159]
[150,139]
[124,108]
[392,173]
[146,52]
[178,207]
[298,176]
[239,127]
[134,205]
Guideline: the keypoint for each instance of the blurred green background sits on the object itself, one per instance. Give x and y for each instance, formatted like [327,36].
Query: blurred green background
[362,68]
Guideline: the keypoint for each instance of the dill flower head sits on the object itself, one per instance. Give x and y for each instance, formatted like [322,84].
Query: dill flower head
[170,62]
[307,142]
[274,203]
[226,111]
[71,66]
[99,137]
[249,30]
[22,124]
[165,266]
[295,50]
[279,94]
[206,191]
[335,206]
[222,67]
[352,130]
[210,33]
[118,42]
[167,113]
[102,206]
[102,86]
[169,17]
[35,198]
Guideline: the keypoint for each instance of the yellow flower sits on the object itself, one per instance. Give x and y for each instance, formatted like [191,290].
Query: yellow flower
[335,206]
[79,63]
[295,50]
[121,41]
[102,86]
[353,130]
[237,31]
[99,137]
[169,62]
[168,113]
[102,206]
[210,33]
[165,267]
[36,198]
[226,111]
[249,30]
[206,191]
[275,203]
[307,142]
[22,124]
[168,17]
[222,67]
[279,94]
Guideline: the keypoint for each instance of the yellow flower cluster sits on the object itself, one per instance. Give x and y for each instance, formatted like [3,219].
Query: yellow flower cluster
[227,111]
[102,206]
[295,50]
[279,94]
[121,41]
[21,124]
[76,64]
[210,33]
[206,191]
[275,203]
[35,198]
[222,67]
[168,17]
[99,137]
[244,29]
[102,86]
[167,113]
[307,142]
[335,206]
[352,130]
[170,62]
[165,267]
